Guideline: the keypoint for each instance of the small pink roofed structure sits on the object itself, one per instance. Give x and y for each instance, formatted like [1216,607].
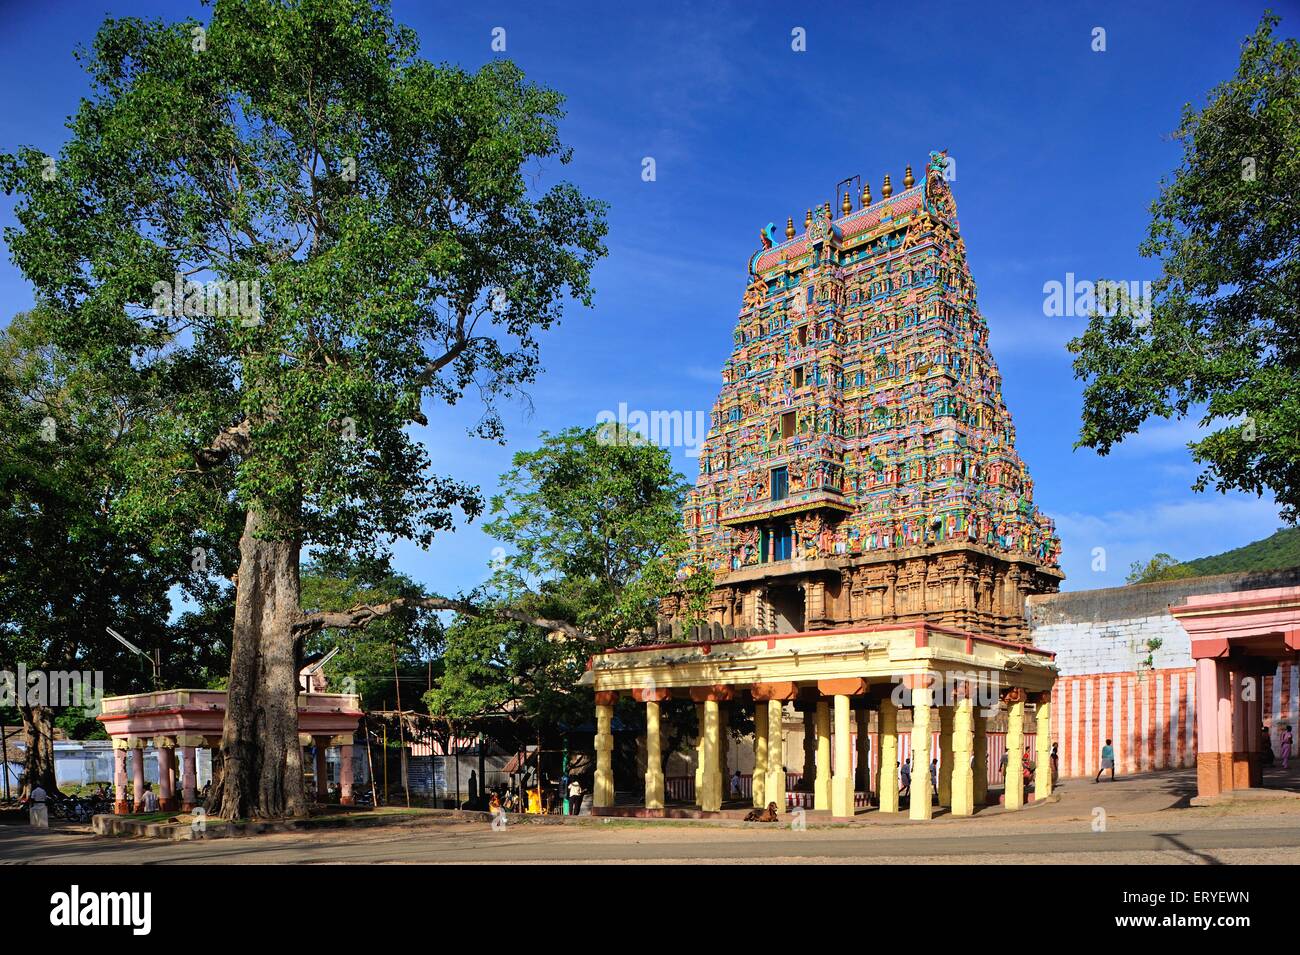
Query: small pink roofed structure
[192,719]
[1237,639]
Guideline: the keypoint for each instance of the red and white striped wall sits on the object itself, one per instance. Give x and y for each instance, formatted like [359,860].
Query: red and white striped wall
[1149,715]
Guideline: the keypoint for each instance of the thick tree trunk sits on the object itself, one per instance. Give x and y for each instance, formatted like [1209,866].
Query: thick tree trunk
[262,772]
[38,749]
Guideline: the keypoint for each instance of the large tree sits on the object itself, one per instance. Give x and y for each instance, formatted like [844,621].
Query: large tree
[381,243]
[1222,337]
[67,570]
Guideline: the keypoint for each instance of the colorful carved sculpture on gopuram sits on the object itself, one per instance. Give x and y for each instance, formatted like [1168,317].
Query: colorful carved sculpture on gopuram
[861,465]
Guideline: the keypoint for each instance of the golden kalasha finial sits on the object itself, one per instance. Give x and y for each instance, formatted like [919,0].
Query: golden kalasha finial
[866,194]
[789,227]
[908,181]
[847,205]
[807,220]
[886,190]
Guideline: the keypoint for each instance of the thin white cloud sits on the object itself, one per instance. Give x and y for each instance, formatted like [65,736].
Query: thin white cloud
[1197,526]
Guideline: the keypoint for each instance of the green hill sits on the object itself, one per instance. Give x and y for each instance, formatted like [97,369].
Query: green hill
[1278,552]
[1271,553]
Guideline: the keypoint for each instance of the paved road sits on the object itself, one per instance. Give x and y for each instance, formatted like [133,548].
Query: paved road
[477,843]
[1147,820]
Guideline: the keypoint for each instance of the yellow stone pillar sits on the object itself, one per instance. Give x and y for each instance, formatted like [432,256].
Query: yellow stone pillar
[963,744]
[711,798]
[1014,794]
[822,784]
[842,781]
[775,786]
[759,785]
[945,755]
[654,766]
[918,801]
[980,780]
[699,754]
[603,794]
[887,778]
[1043,767]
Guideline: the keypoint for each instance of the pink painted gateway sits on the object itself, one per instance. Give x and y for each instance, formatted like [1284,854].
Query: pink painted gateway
[191,719]
[1238,638]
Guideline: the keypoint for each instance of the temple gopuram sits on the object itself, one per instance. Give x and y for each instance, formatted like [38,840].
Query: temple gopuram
[861,466]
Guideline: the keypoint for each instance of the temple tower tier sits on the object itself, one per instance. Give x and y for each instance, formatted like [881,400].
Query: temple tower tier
[861,466]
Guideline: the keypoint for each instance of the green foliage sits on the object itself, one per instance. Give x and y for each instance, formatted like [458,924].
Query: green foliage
[501,673]
[1159,567]
[590,524]
[591,527]
[68,432]
[1276,552]
[78,722]
[380,205]
[409,636]
[1223,335]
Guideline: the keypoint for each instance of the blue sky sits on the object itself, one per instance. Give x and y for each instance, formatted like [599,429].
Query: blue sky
[1058,150]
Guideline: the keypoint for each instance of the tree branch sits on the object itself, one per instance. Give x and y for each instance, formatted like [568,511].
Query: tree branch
[227,442]
[362,614]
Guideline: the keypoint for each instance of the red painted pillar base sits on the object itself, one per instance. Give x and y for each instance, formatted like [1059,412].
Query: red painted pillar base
[1241,769]
[1209,777]
[121,807]
[1256,769]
